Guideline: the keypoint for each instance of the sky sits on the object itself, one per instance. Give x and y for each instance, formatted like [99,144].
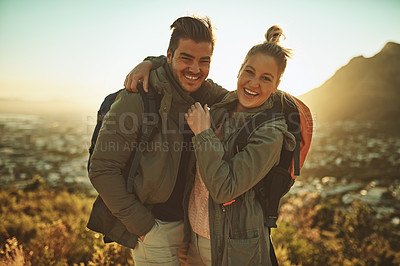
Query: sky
[81,50]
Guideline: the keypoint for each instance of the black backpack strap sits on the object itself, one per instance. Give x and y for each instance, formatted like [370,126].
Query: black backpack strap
[248,128]
[270,190]
[101,113]
[149,124]
[279,180]
[292,118]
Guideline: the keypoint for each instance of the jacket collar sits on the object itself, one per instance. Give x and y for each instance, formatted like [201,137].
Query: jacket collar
[230,101]
[175,100]
[220,112]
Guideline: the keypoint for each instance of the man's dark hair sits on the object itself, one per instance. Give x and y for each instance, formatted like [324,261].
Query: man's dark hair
[193,28]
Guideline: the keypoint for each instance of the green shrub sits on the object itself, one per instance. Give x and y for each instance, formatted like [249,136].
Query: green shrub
[47,226]
[50,226]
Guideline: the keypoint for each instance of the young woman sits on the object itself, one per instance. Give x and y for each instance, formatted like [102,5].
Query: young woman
[225,218]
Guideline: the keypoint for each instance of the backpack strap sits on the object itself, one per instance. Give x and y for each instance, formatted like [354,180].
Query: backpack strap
[149,125]
[292,118]
[279,180]
[250,126]
[101,113]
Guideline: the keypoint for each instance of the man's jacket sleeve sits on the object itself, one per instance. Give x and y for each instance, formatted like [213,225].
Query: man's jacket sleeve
[114,146]
[156,61]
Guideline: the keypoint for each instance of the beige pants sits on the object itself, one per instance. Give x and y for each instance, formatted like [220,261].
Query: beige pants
[199,252]
[162,245]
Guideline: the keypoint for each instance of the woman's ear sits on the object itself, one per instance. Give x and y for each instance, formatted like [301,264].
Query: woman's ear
[240,70]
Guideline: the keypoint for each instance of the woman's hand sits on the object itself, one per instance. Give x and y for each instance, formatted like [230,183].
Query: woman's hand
[198,118]
[140,72]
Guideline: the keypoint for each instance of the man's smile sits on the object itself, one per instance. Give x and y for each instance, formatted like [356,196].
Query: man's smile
[191,77]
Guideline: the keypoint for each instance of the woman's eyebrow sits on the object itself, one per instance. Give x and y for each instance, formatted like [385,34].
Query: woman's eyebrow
[266,73]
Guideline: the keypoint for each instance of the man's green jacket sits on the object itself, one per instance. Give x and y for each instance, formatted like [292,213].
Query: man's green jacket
[121,216]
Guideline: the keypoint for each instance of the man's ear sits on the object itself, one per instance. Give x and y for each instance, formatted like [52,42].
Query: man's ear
[169,56]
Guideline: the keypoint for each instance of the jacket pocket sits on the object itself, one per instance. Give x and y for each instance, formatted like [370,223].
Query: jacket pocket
[243,252]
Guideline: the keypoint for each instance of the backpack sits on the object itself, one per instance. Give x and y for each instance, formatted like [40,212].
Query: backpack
[101,219]
[151,103]
[280,178]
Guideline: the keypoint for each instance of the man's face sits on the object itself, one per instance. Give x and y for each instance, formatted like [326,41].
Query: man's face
[190,63]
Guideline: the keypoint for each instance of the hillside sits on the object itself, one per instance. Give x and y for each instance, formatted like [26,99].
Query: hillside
[364,89]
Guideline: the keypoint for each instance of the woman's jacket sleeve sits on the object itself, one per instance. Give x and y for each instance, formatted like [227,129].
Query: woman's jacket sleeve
[228,179]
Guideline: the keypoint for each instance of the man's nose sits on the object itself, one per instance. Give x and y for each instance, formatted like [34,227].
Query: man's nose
[194,67]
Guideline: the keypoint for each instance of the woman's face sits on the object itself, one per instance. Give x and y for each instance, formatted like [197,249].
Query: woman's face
[257,80]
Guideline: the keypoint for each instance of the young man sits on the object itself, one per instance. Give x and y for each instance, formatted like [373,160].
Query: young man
[150,220]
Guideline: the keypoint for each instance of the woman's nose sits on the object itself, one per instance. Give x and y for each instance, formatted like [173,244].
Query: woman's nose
[254,83]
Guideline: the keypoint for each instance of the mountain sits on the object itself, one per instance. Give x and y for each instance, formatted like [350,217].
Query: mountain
[364,89]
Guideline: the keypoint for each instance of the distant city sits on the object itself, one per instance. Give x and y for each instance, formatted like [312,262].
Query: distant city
[347,160]
[36,146]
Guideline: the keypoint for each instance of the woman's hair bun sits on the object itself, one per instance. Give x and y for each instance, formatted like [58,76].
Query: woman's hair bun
[273,34]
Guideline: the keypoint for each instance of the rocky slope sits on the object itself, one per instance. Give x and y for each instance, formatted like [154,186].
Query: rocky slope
[364,89]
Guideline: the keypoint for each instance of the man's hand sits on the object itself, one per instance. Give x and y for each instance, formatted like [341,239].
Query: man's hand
[140,72]
[198,118]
